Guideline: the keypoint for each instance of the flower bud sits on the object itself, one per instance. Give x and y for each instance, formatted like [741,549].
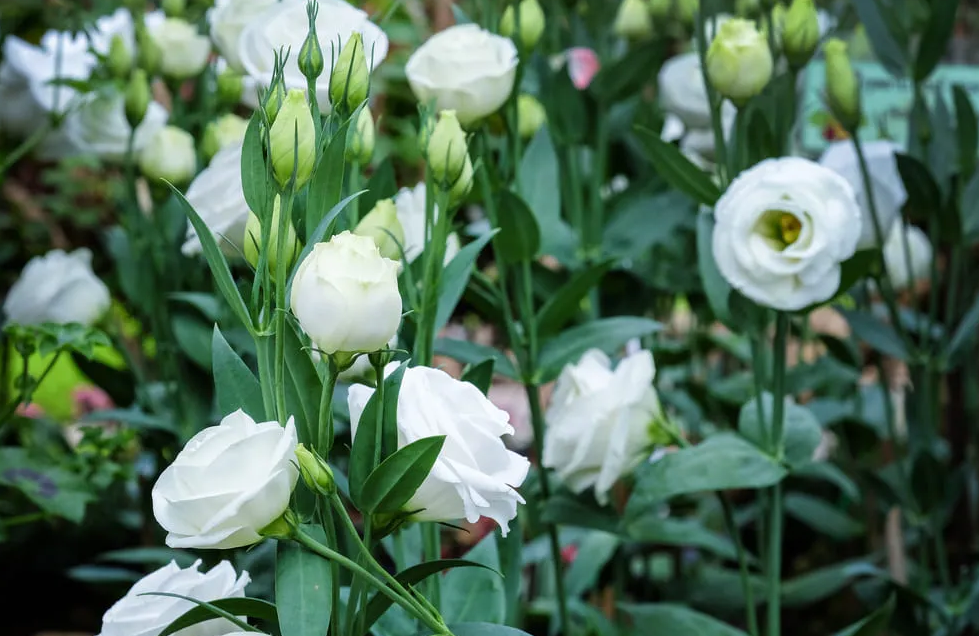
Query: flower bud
[284,527]
[531,115]
[224,131]
[382,225]
[660,9]
[137,97]
[739,62]
[842,87]
[800,32]
[311,55]
[292,140]
[686,10]
[360,139]
[253,240]
[463,184]
[174,8]
[315,471]
[229,87]
[170,155]
[632,21]
[426,126]
[274,97]
[350,78]
[120,60]
[447,148]
[531,23]
[149,57]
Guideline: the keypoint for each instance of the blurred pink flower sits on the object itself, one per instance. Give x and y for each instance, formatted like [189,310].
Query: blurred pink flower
[583,65]
[87,399]
[569,553]
[30,411]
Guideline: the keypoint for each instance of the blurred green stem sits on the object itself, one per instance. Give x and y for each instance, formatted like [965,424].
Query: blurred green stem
[281,306]
[773,562]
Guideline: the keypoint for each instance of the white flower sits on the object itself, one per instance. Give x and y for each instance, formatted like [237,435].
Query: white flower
[600,420]
[99,127]
[227,19]
[228,483]
[465,69]
[475,475]
[285,25]
[887,186]
[185,51]
[141,613]
[57,287]
[783,227]
[170,155]
[697,144]
[345,295]
[682,90]
[410,203]
[919,255]
[218,197]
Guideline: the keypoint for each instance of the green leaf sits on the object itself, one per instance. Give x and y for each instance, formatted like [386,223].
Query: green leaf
[254,172]
[539,185]
[568,511]
[923,191]
[251,607]
[678,171]
[801,432]
[822,516]
[383,184]
[519,237]
[966,130]
[879,335]
[567,114]
[397,478]
[854,269]
[326,183]
[302,587]
[210,607]
[480,375]
[677,620]
[625,76]
[484,629]
[217,263]
[716,287]
[680,532]
[234,383]
[965,332]
[875,623]
[816,585]
[365,441]
[472,353]
[594,551]
[722,462]
[969,212]
[456,277]
[303,400]
[831,473]
[935,39]
[641,222]
[50,487]
[886,36]
[561,307]
[607,334]
[473,594]
[193,336]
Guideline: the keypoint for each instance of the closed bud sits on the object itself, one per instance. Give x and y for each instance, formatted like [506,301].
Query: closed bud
[800,32]
[224,131]
[350,79]
[660,9]
[315,471]
[739,62]
[426,126]
[120,60]
[171,155]
[174,8]
[137,97]
[531,23]
[149,57]
[292,140]
[463,184]
[842,87]
[447,148]
[229,87]
[283,527]
[382,225]
[275,96]
[686,10]
[360,139]
[253,240]
[311,56]
[531,115]
[632,21]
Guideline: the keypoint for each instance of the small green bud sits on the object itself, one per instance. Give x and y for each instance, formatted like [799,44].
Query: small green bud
[739,62]
[273,99]
[137,97]
[253,240]
[842,86]
[425,127]
[282,528]
[531,115]
[350,79]
[120,60]
[382,225]
[229,87]
[315,471]
[174,8]
[311,56]
[170,154]
[632,20]
[686,10]
[800,32]
[447,149]
[292,140]
[360,139]
[462,186]
[224,131]
[531,25]
[149,57]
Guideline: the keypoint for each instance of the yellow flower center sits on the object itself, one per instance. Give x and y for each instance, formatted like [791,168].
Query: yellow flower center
[779,228]
[790,227]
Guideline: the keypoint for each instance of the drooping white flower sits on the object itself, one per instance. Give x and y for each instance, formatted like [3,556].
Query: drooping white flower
[905,268]
[59,288]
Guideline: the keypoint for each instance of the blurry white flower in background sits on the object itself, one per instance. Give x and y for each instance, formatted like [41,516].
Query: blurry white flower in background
[218,197]
[227,20]
[98,126]
[184,50]
[410,203]
[57,287]
[906,268]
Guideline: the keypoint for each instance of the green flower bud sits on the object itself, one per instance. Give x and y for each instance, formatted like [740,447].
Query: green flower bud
[311,56]
[120,60]
[224,131]
[315,471]
[360,139]
[739,62]
[686,10]
[149,57]
[660,9]
[229,87]
[531,21]
[253,240]
[842,86]
[170,154]
[174,8]
[800,32]
[632,21]
[282,528]
[463,184]
[137,97]
[382,226]
[531,115]
[447,149]
[350,78]
[274,97]
[292,140]
[426,126]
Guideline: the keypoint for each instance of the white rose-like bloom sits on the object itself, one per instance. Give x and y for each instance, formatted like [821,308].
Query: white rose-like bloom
[227,19]
[475,475]
[466,69]
[59,288]
[600,420]
[410,206]
[345,295]
[228,483]
[138,615]
[782,229]
[285,25]
[886,183]
[185,51]
[169,155]
[98,126]
[219,198]
[919,255]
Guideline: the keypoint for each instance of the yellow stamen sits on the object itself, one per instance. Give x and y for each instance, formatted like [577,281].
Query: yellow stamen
[790,228]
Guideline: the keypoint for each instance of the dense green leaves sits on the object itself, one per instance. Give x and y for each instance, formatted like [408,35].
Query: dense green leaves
[520,236]
[366,439]
[876,333]
[678,171]
[561,307]
[475,594]
[473,353]
[302,584]
[875,623]
[234,383]
[326,182]
[539,185]
[53,489]
[678,620]
[456,277]
[935,39]
[886,35]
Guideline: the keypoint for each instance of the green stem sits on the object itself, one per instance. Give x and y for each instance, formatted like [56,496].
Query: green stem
[332,541]
[575,206]
[599,168]
[774,529]
[324,436]
[281,306]
[266,380]
[749,594]
[432,551]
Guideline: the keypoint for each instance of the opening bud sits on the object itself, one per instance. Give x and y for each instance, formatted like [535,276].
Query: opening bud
[292,140]
[360,139]
[382,225]
[315,471]
[529,19]
[350,79]
[253,240]
[739,62]
[447,150]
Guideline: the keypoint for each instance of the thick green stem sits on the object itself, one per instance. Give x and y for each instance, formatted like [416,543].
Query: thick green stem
[774,529]
[324,431]
[281,306]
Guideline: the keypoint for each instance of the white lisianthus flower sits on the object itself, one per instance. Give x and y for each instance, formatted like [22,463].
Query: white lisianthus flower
[185,51]
[475,475]
[601,422]
[228,483]
[59,288]
[466,69]
[886,183]
[285,25]
[99,127]
[219,198]
[919,255]
[682,90]
[142,613]
[410,204]
[227,19]
[169,155]
[345,295]
[782,230]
